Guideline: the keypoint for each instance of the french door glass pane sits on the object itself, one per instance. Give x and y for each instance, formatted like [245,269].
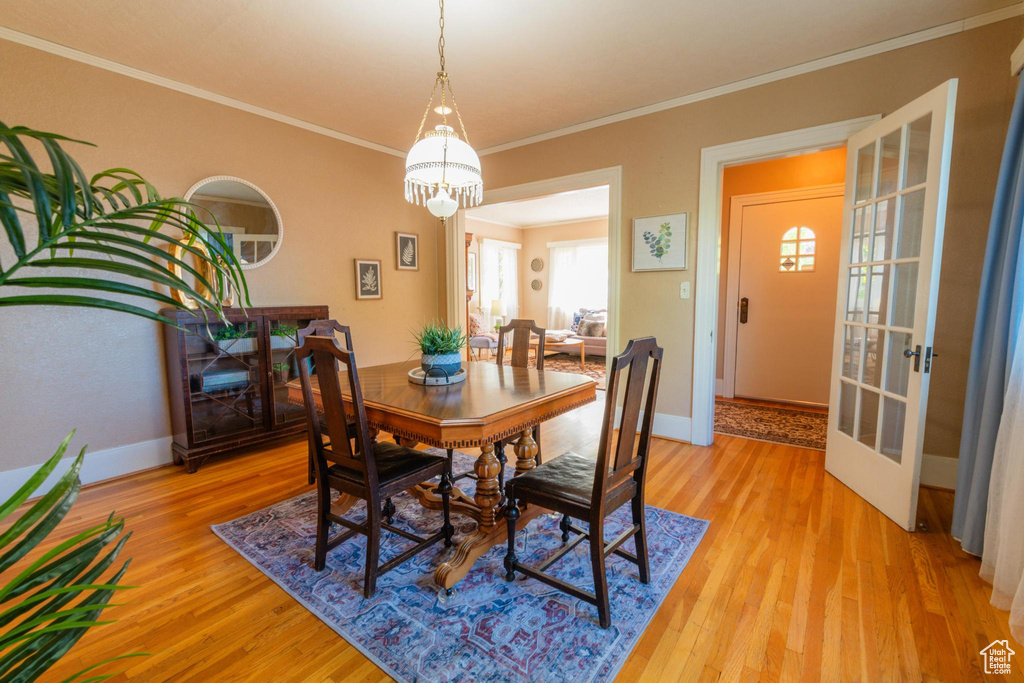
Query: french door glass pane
[865,172]
[894,416]
[861,232]
[878,299]
[889,163]
[851,351]
[911,221]
[904,293]
[917,150]
[847,400]
[873,356]
[855,298]
[885,217]
[897,372]
[867,426]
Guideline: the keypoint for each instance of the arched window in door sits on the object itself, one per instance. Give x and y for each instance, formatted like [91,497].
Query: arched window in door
[796,251]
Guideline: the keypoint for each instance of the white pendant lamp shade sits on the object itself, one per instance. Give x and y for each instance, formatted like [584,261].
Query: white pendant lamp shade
[442,171]
[441,161]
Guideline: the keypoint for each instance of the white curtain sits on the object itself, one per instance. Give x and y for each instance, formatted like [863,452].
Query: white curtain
[1002,561]
[499,277]
[579,279]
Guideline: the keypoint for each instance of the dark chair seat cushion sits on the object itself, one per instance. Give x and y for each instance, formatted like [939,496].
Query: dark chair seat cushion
[569,477]
[393,462]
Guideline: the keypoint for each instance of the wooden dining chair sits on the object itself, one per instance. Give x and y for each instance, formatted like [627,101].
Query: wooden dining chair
[580,488]
[323,328]
[356,465]
[519,357]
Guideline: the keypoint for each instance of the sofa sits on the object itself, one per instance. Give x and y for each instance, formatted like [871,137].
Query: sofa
[590,325]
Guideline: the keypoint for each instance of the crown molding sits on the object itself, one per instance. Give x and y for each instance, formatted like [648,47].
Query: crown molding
[491,221]
[140,75]
[567,221]
[925,35]
[951,28]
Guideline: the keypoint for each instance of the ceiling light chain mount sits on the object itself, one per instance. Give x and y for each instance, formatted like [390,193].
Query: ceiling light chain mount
[440,164]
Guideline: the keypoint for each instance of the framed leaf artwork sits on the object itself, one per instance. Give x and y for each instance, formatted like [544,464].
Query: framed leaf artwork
[659,242]
[407,251]
[368,279]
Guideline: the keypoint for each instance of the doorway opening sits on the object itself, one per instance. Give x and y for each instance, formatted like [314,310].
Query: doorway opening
[545,251]
[779,256]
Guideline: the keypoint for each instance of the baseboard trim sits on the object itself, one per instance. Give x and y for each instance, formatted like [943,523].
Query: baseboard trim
[939,472]
[719,386]
[666,426]
[98,466]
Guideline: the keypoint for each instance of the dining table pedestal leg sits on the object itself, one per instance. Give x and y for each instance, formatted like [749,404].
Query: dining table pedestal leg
[491,526]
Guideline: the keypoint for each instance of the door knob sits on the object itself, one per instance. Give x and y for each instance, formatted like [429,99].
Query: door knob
[916,355]
[744,305]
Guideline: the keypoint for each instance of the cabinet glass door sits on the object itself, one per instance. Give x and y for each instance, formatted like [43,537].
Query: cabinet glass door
[284,368]
[224,379]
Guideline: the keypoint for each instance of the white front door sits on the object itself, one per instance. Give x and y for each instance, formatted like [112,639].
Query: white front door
[894,212]
[786,291]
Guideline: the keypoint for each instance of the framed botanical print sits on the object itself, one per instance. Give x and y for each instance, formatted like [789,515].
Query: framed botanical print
[407,251]
[471,271]
[659,242]
[368,279]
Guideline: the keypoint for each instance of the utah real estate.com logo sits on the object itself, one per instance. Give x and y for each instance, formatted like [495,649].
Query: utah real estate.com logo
[997,657]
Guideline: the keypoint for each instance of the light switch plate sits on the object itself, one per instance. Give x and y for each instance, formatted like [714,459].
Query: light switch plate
[684,290]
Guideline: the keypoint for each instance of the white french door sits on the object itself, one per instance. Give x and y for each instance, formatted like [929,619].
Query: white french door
[894,212]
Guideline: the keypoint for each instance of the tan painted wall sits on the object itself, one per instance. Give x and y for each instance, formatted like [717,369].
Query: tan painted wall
[535,245]
[791,173]
[103,372]
[660,159]
[481,230]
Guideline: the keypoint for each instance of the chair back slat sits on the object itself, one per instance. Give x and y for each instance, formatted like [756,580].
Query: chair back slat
[326,353]
[326,328]
[622,455]
[521,330]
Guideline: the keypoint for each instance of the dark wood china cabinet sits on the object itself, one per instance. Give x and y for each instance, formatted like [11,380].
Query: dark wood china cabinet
[227,383]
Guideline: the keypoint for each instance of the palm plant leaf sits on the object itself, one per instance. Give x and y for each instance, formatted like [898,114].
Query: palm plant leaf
[112,223]
[61,591]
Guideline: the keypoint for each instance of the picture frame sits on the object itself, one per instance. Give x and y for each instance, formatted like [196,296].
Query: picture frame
[368,284]
[471,271]
[407,251]
[660,242]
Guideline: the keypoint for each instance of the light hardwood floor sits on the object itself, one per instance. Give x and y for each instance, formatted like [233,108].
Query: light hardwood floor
[797,577]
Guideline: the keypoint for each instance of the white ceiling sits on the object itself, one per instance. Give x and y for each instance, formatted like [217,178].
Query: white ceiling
[519,68]
[564,207]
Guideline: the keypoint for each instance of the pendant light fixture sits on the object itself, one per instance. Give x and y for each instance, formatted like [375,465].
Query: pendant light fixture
[442,171]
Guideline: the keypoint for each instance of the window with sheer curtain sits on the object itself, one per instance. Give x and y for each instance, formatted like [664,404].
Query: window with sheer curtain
[499,277]
[579,279]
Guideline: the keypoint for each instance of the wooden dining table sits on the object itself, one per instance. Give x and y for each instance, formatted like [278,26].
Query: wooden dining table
[494,404]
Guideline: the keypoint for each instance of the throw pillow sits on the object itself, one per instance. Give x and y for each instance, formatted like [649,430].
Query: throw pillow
[576,318]
[592,328]
[476,325]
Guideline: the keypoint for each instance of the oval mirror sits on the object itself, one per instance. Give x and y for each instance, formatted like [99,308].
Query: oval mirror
[249,218]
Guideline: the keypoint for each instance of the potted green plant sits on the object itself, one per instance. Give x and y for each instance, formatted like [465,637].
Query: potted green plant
[283,337]
[441,347]
[282,372]
[235,339]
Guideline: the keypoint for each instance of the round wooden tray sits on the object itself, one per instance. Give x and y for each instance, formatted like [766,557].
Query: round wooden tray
[417,376]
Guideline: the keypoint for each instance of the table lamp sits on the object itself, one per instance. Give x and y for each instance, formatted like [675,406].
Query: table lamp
[498,311]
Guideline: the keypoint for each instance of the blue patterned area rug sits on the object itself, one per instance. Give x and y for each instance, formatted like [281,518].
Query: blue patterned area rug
[493,630]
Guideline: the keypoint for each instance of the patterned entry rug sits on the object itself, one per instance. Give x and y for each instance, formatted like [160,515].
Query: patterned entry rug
[492,630]
[790,426]
[564,362]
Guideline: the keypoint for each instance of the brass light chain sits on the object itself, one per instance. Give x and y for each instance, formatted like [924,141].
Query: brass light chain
[442,80]
[440,41]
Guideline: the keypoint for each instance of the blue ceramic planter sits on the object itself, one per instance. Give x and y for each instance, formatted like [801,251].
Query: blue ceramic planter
[436,363]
